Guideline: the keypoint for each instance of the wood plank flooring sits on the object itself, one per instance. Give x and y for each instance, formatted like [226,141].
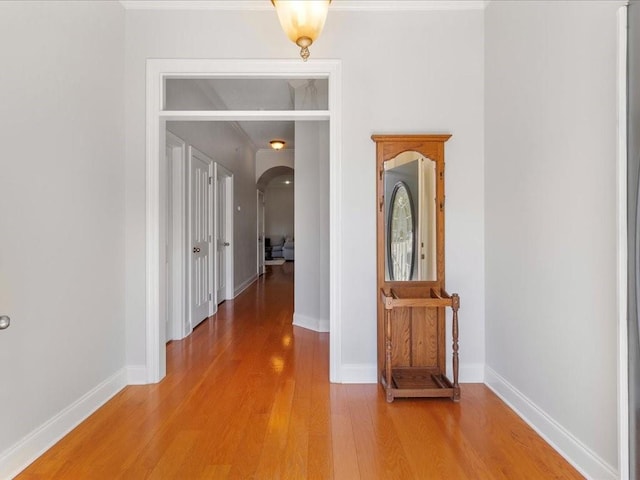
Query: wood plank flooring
[247,397]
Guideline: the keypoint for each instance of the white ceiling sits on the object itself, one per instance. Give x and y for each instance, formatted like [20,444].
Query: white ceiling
[261,133]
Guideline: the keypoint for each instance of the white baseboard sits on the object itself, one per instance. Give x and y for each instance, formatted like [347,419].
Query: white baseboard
[19,456]
[137,375]
[244,285]
[368,373]
[585,460]
[323,325]
[471,373]
[316,324]
[359,373]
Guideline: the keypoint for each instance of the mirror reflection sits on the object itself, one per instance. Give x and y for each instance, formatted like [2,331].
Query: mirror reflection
[401,234]
[410,218]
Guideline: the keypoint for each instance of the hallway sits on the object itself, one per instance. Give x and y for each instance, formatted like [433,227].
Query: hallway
[247,396]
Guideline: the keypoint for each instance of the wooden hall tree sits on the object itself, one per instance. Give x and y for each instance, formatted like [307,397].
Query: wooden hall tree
[410,269]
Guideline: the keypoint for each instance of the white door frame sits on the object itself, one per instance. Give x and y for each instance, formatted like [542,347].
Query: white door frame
[178,318]
[229,293]
[622,258]
[260,231]
[157,71]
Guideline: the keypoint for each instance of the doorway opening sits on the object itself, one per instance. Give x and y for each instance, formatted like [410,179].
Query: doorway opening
[276,189]
[158,72]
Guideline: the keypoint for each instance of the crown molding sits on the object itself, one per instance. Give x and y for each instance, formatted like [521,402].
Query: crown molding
[336,5]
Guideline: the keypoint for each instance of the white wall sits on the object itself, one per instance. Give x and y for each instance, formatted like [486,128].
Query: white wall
[279,210]
[269,158]
[407,72]
[551,221]
[311,292]
[415,72]
[311,303]
[62,211]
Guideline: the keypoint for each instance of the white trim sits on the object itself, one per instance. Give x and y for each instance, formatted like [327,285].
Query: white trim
[622,257]
[367,373]
[136,374]
[323,325]
[585,460]
[244,115]
[231,68]
[359,373]
[471,373]
[335,221]
[179,324]
[407,5]
[316,324]
[157,70]
[17,457]
[244,285]
[260,249]
[156,129]
[337,5]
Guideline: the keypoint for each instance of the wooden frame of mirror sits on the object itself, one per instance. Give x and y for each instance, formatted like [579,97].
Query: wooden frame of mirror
[411,314]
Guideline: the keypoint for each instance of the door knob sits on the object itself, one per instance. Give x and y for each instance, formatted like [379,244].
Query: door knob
[226,244]
[196,250]
[5,321]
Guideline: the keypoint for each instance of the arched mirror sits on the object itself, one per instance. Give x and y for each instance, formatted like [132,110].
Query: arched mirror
[410,217]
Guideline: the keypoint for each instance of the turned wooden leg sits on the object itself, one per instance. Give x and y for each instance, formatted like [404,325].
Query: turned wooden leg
[456,386]
[387,361]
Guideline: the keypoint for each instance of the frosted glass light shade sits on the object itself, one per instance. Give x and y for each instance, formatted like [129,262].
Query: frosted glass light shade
[302,21]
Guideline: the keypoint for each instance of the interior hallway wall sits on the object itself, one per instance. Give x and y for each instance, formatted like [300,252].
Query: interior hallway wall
[550,208]
[279,206]
[62,216]
[311,292]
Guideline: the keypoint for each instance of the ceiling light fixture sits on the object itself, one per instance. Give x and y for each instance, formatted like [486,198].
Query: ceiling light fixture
[302,21]
[277,144]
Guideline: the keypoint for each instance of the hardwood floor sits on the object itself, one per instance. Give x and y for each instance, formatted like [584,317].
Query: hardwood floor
[247,396]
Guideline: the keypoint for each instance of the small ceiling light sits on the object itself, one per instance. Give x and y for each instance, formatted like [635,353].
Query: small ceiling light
[302,21]
[277,144]
[287,182]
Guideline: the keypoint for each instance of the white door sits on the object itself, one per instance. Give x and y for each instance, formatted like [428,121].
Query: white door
[260,232]
[224,233]
[200,223]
